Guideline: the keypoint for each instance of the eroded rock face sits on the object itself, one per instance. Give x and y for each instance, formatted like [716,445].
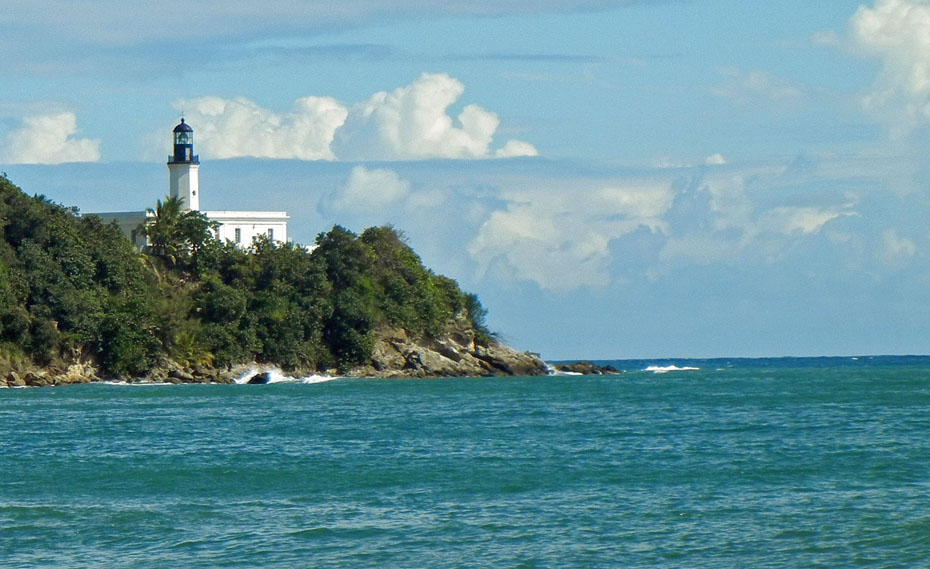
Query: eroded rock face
[456,354]
[56,374]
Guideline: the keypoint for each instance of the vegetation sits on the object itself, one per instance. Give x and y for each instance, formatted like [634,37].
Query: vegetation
[72,287]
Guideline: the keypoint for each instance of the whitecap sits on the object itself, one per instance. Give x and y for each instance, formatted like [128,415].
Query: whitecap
[666,369]
[318,378]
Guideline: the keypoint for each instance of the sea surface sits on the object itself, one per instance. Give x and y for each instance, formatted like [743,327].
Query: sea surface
[812,462]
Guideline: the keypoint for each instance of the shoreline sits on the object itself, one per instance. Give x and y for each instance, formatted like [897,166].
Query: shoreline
[170,373]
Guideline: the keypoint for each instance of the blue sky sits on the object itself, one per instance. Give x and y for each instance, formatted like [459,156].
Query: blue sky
[614,179]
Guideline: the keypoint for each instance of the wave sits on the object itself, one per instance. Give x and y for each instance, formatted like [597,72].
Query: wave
[666,369]
[552,370]
[275,375]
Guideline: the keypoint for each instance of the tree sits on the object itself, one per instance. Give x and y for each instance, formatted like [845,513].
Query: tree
[175,233]
[346,262]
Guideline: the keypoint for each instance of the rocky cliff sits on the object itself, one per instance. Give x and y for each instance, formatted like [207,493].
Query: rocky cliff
[457,354]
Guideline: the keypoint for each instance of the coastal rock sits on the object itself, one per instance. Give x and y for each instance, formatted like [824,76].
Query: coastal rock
[455,354]
[14,380]
[224,376]
[587,368]
[77,373]
[37,379]
[183,376]
[260,378]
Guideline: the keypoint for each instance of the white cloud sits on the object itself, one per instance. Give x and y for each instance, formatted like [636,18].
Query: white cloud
[715,160]
[412,123]
[590,233]
[800,220]
[720,219]
[368,190]
[560,237]
[227,128]
[409,123]
[515,148]
[49,139]
[897,32]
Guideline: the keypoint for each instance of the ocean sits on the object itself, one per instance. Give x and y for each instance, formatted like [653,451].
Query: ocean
[791,462]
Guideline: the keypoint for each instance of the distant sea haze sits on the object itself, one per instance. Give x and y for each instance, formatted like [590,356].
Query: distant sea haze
[786,462]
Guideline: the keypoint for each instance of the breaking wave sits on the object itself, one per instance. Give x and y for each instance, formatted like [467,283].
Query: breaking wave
[666,369]
[275,375]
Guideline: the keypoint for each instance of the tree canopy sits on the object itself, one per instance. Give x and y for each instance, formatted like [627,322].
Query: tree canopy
[72,286]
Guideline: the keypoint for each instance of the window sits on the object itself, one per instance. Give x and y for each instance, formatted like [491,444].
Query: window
[238,235]
[271,234]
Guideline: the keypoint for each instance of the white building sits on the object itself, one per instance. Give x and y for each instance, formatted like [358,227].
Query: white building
[240,227]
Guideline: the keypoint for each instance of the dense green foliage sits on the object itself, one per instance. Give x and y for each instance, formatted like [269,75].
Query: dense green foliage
[173,232]
[72,286]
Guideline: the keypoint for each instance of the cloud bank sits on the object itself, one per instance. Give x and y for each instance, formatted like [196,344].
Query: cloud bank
[408,123]
[573,231]
[48,139]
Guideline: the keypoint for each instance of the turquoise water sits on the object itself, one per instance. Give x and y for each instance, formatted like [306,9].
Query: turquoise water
[744,463]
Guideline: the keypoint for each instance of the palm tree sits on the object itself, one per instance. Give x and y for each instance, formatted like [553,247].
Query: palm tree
[173,232]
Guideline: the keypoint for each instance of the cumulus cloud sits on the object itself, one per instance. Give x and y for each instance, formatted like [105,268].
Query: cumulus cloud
[718,219]
[368,190]
[592,233]
[897,33]
[560,237]
[412,123]
[49,139]
[516,148]
[227,128]
[409,123]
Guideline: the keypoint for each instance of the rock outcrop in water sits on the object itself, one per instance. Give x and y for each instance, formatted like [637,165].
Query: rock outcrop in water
[587,368]
[457,354]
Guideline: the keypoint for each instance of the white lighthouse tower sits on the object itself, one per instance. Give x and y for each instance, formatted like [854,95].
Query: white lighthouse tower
[239,227]
[184,166]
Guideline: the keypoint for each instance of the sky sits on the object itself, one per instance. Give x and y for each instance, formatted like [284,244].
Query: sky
[614,179]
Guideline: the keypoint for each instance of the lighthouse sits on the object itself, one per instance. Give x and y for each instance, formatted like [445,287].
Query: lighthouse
[184,165]
[239,227]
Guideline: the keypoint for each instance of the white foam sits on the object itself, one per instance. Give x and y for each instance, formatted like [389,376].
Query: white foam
[666,369]
[552,370]
[318,378]
[275,375]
